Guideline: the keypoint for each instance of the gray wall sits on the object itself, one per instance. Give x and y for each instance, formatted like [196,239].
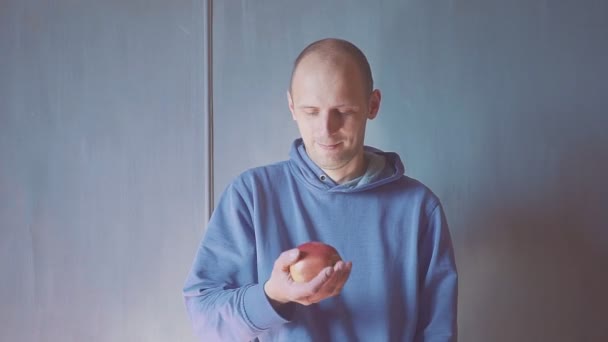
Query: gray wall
[499,106]
[101,168]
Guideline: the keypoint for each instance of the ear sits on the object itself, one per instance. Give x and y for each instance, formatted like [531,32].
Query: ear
[290,103]
[374,104]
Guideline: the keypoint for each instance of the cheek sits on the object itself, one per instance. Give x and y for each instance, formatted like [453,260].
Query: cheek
[353,127]
[356,133]
[306,130]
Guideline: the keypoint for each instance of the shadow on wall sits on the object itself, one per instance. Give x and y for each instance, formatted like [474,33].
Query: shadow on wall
[536,269]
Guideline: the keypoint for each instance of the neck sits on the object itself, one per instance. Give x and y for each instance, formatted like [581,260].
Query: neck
[353,169]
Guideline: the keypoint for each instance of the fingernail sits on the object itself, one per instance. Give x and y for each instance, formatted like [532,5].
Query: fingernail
[294,253]
[329,272]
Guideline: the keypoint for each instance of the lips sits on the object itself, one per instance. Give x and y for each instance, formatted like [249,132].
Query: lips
[329,146]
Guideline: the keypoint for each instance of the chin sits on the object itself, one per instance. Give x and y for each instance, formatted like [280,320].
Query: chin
[330,163]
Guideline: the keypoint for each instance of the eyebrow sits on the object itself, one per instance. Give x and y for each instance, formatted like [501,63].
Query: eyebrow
[342,106]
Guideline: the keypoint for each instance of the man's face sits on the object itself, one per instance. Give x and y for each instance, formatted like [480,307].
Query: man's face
[331,105]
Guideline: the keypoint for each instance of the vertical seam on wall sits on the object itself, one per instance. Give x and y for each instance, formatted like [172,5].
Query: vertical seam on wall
[208,92]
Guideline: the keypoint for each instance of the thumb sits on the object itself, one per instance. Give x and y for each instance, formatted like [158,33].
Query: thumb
[287,258]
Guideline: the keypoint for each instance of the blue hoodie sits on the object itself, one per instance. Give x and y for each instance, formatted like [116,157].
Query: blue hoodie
[403,283]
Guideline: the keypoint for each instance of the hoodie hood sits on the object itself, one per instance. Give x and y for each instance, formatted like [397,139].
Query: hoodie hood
[305,170]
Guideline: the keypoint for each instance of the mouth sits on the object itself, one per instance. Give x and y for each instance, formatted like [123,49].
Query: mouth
[329,147]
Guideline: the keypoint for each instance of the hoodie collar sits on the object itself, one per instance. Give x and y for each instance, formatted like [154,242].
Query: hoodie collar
[305,170]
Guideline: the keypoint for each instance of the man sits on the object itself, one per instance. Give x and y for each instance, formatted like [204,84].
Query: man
[400,283]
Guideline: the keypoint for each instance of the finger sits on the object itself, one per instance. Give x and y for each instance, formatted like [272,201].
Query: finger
[347,270]
[332,286]
[335,279]
[327,289]
[286,259]
[309,293]
[313,286]
[344,275]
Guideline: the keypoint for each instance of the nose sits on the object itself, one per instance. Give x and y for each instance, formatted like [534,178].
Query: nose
[331,122]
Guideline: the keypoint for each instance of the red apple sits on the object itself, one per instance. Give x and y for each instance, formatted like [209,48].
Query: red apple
[314,257]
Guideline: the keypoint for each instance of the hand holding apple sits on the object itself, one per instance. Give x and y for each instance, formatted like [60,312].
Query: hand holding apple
[282,287]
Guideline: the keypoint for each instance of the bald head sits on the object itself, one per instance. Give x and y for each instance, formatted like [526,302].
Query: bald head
[336,51]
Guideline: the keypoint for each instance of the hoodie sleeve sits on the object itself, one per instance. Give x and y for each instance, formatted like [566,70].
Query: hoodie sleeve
[223,298]
[438,282]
